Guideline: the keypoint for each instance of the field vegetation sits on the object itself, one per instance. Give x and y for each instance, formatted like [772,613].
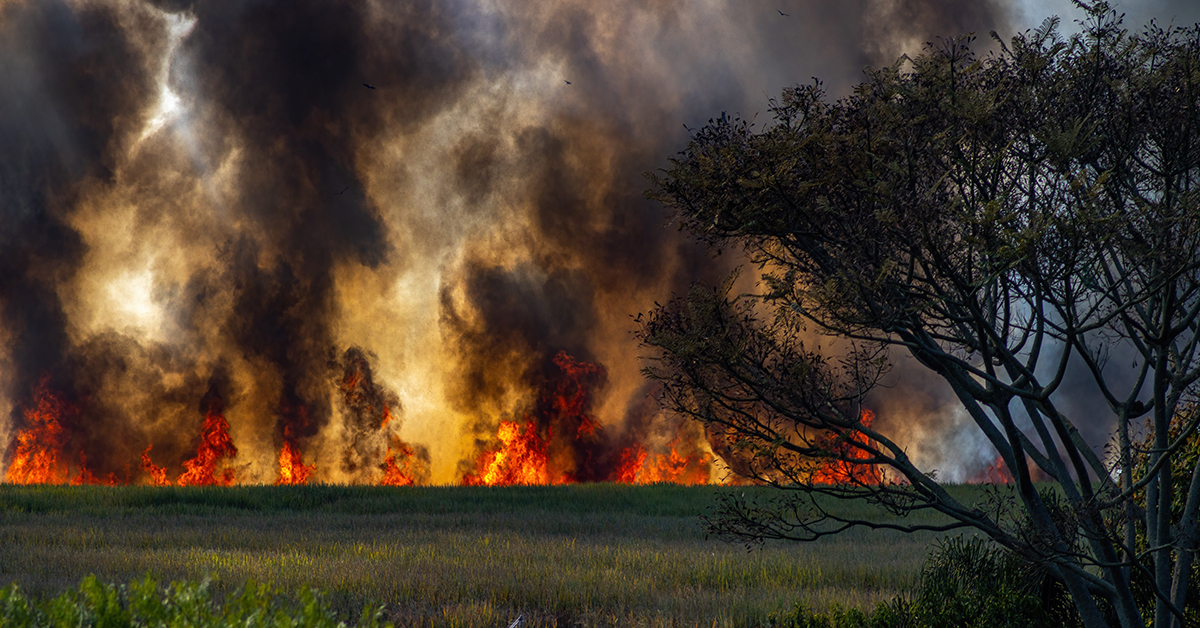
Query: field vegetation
[597,554]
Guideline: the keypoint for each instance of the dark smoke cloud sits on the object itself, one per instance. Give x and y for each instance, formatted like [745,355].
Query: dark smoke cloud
[286,79]
[582,172]
[286,215]
[73,85]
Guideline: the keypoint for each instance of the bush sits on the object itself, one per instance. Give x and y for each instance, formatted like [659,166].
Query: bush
[803,617]
[965,583]
[969,582]
[184,604]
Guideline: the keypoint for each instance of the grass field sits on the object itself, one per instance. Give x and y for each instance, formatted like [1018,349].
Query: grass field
[597,554]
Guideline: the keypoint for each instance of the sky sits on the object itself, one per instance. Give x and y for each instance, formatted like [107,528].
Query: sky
[255,201]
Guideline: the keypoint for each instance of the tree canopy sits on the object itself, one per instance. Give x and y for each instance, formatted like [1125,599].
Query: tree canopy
[1002,219]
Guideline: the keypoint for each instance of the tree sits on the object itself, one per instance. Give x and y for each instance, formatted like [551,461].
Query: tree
[1002,219]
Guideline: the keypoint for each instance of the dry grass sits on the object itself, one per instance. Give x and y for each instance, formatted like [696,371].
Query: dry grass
[578,555]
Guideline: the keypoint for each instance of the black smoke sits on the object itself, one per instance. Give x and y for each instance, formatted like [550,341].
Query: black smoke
[272,182]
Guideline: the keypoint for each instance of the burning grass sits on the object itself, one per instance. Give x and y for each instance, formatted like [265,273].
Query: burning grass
[595,554]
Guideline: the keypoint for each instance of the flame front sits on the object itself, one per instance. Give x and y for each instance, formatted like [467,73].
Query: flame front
[671,467]
[215,446]
[196,204]
[87,478]
[292,469]
[36,459]
[158,475]
[560,443]
[520,458]
[556,443]
[848,463]
[400,463]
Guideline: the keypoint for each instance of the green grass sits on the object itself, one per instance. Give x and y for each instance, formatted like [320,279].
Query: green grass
[454,556]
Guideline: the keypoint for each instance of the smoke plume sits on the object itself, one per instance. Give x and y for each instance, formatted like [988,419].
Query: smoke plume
[363,234]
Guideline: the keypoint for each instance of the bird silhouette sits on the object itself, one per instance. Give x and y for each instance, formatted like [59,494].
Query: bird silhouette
[566,81]
[343,190]
[783,14]
[368,86]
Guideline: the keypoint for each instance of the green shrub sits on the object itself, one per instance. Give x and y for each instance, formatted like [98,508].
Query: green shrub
[965,583]
[178,605]
[801,616]
[969,582]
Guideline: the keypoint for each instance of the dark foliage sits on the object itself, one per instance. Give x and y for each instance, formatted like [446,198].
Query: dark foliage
[1014,223]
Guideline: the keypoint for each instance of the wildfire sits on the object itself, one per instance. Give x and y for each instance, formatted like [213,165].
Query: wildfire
[87,478]
[637,467]
[848,462]
[292,469]
[556,442]
[559,443]
[36,458]
[998,473]
[520,459]
[158,475]
[398,466]
[215,445]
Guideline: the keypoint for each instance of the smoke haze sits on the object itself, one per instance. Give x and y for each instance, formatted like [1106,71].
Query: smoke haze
[368,224]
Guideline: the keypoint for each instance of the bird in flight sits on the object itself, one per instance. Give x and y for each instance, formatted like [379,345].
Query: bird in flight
[368,86]
[784,14]
[347,187]
[566,81]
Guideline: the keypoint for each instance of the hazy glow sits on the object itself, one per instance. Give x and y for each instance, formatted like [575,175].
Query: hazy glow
[170,105]
[131,296]
[254,210]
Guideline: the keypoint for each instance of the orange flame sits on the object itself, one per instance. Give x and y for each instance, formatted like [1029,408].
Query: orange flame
[520,459]
[39,446]
[558,443]
[632,459]
[849,464]
[158,475]
[397,467]
[997,473]
[292,469]
[215,445]
[387,418]
[671,467]
[87,478]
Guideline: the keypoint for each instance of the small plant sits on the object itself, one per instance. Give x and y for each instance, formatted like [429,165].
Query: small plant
[184,604]
[801,616]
